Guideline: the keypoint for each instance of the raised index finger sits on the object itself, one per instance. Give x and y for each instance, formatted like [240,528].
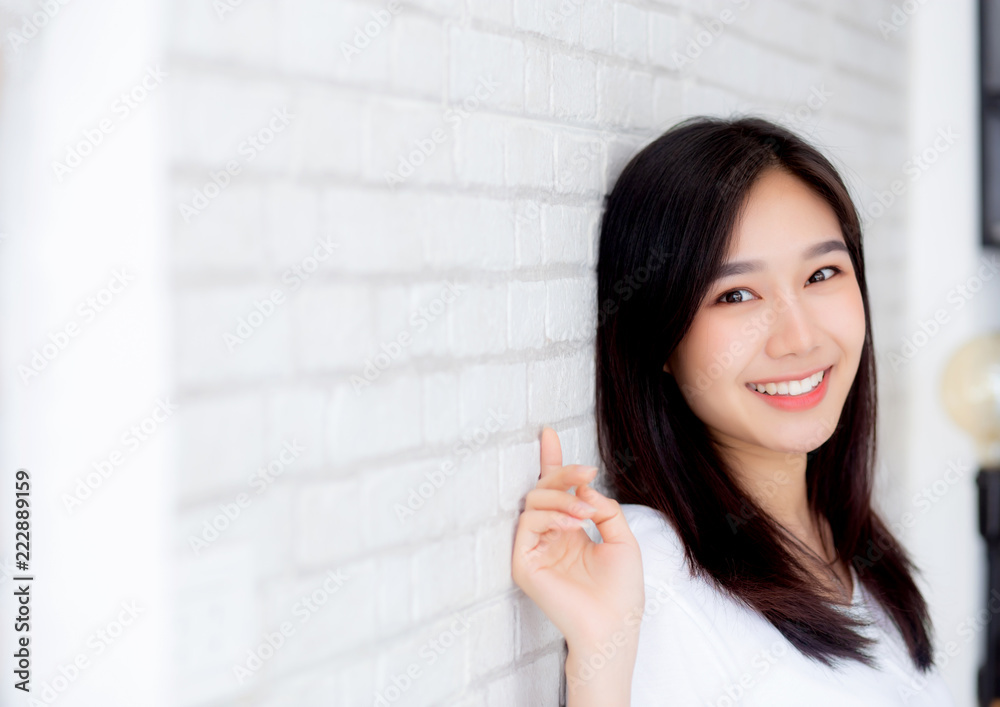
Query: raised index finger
[551,456]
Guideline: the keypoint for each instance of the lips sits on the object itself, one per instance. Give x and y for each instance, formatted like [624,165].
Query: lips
[789,387]
[793,402]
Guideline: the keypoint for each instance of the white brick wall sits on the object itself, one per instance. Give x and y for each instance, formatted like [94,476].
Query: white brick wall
[451,316]
[506,208]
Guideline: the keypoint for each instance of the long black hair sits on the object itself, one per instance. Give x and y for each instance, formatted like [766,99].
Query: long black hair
[666,228]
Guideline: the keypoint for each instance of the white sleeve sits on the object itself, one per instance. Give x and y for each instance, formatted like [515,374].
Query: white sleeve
[676,664]
[679,662]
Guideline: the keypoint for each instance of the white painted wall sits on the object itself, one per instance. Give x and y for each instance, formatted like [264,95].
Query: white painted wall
[944,255]
[100,615]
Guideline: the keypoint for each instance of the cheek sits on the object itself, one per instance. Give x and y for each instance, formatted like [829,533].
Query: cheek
[844,321]
[713,352]
[852,323]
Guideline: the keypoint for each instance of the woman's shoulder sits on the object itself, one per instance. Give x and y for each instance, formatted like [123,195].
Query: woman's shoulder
[664,566]
[653,531]
[639,514]
[667,572]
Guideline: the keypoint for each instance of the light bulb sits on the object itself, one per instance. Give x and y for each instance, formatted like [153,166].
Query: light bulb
[970,391]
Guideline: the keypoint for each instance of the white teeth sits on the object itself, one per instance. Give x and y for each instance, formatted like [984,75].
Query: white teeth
[790,387]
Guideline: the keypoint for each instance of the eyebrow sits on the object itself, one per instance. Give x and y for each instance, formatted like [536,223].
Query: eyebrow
[740,267]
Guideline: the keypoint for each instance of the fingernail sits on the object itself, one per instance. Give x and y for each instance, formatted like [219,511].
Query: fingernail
[585,509]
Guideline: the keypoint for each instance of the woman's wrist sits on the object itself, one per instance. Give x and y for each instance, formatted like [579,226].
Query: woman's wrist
[599,669]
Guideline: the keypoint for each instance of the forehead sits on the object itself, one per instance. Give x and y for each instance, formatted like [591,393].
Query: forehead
[783,215]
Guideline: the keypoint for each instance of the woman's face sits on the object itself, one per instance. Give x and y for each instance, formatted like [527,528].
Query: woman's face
[792,309]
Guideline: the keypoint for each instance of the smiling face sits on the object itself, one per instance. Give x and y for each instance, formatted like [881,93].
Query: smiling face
[798,312]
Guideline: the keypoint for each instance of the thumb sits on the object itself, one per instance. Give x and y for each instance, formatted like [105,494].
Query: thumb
[609,518]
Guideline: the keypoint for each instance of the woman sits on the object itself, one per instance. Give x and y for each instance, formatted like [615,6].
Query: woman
[742,561]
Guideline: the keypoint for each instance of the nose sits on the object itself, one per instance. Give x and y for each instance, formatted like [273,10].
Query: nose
[793,330]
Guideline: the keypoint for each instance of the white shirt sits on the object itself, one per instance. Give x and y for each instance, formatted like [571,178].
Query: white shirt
[699,647]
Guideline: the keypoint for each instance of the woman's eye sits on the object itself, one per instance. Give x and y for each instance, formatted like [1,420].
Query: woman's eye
[834,268]
[725,298]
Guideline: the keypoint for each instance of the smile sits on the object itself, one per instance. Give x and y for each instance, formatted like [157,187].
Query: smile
[796,394]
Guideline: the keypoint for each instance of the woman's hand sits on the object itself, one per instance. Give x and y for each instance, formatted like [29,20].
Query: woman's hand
[590,591]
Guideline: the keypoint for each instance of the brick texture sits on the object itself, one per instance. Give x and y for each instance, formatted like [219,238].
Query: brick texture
[452,156]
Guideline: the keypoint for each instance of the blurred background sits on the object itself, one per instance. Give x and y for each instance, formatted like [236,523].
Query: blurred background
[289,289]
